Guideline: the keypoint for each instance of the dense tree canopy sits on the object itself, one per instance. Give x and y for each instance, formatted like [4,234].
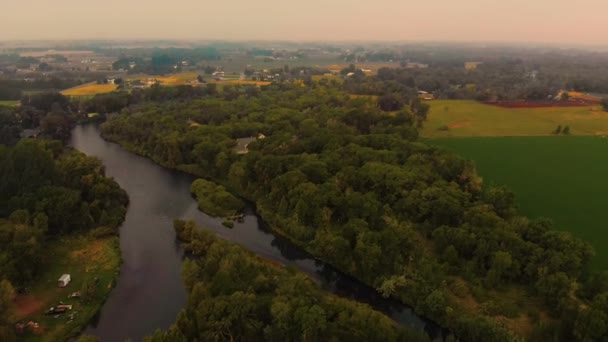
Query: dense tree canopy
[46,191]
[350,183]
[236,296]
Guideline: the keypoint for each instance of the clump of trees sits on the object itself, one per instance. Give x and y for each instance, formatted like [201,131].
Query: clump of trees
[234,295]
[559,130]
[214,199]
[605,104]
[46,191]
[7,294]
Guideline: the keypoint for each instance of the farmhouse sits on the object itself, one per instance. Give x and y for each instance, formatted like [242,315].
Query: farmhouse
[64,280]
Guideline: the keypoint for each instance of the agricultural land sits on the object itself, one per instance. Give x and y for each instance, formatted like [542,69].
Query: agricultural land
[454,118]
[555,176]
[90,89]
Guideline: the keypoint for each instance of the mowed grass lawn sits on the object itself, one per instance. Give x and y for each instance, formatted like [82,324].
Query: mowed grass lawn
[90,89]
[85,258]
[563,178]
[474,119]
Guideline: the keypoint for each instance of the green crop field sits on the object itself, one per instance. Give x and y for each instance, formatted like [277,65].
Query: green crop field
[474,119]
[562,178]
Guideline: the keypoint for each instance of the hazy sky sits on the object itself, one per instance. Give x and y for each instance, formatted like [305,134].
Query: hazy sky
[571,21]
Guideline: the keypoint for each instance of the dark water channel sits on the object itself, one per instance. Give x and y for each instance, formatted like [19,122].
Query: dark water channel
[149,293]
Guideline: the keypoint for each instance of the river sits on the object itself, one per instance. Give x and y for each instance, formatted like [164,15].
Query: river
[149,292]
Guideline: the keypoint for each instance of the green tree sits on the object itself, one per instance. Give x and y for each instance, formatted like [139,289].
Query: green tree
[7,293]
[555,288]
[604,103]
[9,127]
[390,103]
[500,267]
[591,325]
[558,130]
[56,125]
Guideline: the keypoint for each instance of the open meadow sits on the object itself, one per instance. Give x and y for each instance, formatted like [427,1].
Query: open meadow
[176,79]
[562,178]
[9,103]
[456,118]
[90,89]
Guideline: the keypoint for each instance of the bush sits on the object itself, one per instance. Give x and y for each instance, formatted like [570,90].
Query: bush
[443,128]
[101,232]
[214,199]
[605,103]
[228,224]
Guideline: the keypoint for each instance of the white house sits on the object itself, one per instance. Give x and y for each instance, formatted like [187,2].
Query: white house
[64,280]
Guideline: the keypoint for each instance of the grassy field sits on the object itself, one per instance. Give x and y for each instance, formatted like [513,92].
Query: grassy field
[176,79]
[9,103]
[84,258]
[90,89]
[474,119]
[562,178]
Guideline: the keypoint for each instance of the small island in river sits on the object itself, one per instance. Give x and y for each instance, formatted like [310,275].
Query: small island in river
[215,200]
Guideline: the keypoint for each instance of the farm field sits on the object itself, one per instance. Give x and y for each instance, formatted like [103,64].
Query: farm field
[562,178]
[176,79]
[240,82]
[9,103]
[474,119]
[90,89]
[85,258]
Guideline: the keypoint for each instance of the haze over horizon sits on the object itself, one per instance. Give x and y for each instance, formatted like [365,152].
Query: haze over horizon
[543,21]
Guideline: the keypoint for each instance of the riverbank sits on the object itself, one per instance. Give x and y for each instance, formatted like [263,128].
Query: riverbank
[93,264]
[251,299]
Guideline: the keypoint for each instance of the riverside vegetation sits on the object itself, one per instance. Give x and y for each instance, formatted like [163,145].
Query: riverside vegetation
[214,200]
[235,295]
[58,214]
